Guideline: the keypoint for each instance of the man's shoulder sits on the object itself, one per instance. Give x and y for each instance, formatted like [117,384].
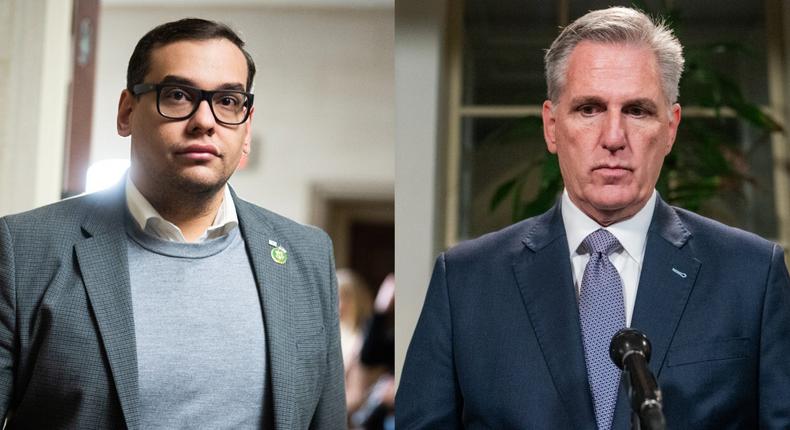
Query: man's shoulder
[61,216]
[259,218]
[506,241]
[712,233]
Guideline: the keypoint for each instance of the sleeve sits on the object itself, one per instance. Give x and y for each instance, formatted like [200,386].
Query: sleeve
[429,396]
[775,347]
[7,318]
[331,410]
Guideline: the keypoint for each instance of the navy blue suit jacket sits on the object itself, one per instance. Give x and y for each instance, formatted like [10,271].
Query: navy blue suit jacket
[498,344]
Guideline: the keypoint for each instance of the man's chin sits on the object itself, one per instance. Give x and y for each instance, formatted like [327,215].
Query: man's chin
[199,185]
[613,197]
[617,208]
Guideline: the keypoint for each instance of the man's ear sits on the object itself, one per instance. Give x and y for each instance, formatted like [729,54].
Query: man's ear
[125,108]
[549,124]
[674,122]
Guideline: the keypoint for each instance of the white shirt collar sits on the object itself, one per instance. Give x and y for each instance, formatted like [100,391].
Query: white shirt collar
[150,221]
[632,232]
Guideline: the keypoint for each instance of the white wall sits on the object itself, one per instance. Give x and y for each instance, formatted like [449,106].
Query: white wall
[34,71]
[324,92]
[419,100]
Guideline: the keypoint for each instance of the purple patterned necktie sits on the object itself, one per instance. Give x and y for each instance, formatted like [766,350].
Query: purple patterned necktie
[602,313]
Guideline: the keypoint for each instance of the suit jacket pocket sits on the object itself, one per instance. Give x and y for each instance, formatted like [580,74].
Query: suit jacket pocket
[712,350]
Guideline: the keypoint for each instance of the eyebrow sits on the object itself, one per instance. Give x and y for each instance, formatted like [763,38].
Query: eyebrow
[595,100]
[645,103]
[586,100]
[180,80]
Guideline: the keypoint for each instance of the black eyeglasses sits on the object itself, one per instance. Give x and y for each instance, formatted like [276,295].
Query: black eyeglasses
[181,102]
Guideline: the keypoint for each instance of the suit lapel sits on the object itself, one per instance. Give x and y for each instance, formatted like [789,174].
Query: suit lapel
[543,273]
[276,302]
[668,274]
[103,263]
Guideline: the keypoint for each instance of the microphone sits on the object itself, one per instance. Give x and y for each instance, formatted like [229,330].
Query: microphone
[630,351]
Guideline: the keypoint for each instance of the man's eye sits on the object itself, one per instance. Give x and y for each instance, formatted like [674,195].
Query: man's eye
[177,95]
[229,101]
[588,110]
[637,111]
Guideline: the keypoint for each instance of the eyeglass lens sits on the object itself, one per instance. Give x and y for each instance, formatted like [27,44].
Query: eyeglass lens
[179,102]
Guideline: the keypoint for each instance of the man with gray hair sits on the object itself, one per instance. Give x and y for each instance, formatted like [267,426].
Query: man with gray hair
[516,325]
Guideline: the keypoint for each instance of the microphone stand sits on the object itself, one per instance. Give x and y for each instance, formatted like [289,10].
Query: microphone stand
[630,351]
[652,418]
[645,403]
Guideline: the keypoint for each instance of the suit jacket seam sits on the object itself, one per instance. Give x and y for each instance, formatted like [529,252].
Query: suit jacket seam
[767,285]
[446,287]
[15,335]
[7,229]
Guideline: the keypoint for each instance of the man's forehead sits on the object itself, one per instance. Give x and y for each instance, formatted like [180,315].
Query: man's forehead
[617,69]
[215,62]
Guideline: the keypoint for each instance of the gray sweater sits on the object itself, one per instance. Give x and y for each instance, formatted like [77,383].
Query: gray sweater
[199,333]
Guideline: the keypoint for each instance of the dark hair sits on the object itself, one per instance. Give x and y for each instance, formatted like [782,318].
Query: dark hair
[176,31]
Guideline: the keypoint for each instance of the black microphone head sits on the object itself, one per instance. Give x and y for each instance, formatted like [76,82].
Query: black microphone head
[627,341]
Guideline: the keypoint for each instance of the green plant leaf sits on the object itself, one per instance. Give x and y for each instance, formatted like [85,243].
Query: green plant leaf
[501,193]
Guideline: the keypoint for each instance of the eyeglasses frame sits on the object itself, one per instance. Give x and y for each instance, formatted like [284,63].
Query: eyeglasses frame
[206,95]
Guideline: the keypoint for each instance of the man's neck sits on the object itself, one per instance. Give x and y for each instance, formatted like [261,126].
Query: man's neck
[192,217]
[192,213]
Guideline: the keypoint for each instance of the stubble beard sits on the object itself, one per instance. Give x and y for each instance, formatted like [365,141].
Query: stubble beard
[190,192]
[172,193]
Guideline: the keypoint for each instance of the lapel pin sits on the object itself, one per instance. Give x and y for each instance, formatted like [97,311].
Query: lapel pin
[679,273]
[272,243]
[279,254]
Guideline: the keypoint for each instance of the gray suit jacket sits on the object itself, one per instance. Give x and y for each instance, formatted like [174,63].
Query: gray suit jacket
[67,342]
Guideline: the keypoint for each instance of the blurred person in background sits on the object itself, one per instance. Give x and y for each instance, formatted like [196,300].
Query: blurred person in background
[374,376]
[355,307]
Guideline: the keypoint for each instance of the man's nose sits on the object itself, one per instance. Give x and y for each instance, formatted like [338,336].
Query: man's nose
[203,120]
[613,135]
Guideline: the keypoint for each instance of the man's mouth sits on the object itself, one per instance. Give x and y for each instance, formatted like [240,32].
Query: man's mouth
[198,152]
[612,171]
[612,167]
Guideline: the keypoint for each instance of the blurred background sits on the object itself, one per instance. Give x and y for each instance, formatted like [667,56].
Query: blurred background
[323,130]
[470,154]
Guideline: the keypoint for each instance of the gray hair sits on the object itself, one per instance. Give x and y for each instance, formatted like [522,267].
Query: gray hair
[616,25]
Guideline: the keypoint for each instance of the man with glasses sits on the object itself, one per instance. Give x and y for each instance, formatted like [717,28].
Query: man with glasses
[169,302]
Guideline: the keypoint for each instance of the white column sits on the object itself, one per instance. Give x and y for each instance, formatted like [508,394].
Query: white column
[34,75]
[419,143]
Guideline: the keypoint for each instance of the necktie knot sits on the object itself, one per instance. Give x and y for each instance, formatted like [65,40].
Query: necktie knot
[601,241]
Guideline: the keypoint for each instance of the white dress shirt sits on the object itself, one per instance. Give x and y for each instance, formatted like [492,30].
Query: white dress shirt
[632,234]
[151,222]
